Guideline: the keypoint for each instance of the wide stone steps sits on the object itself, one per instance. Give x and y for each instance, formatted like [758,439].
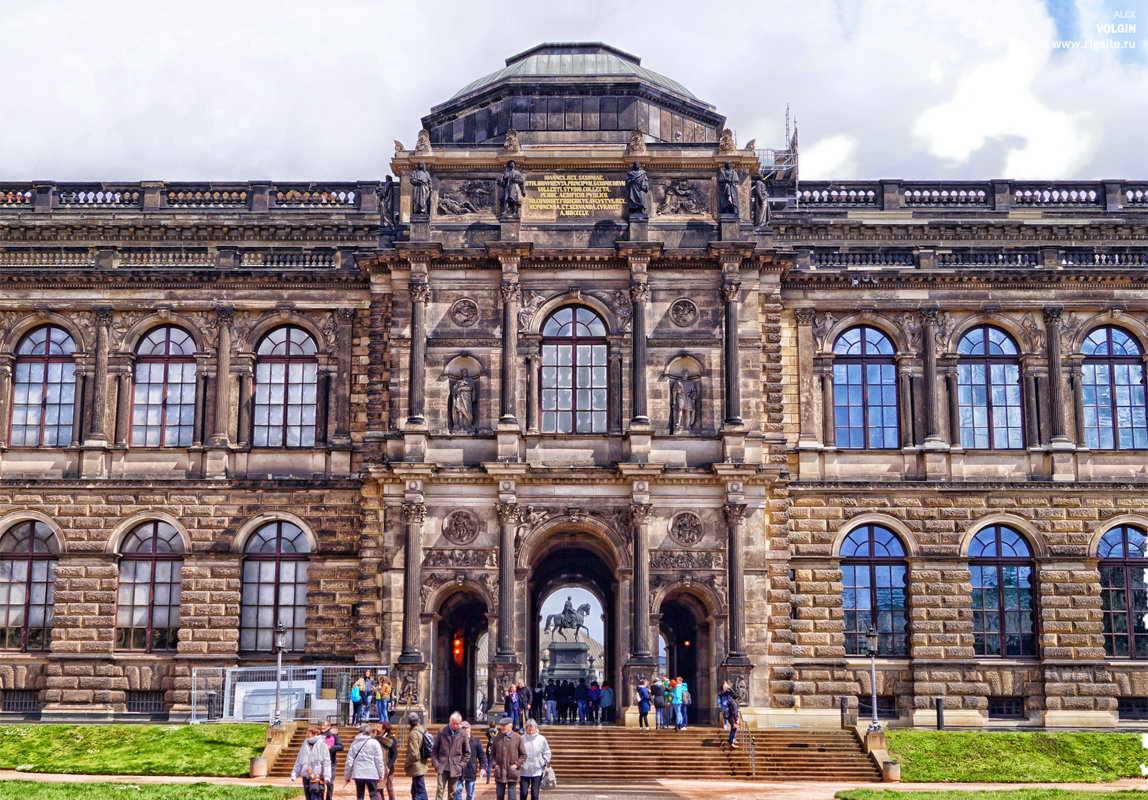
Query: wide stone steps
[583,754]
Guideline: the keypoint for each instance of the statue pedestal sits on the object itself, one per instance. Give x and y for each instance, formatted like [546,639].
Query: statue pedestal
[569,661]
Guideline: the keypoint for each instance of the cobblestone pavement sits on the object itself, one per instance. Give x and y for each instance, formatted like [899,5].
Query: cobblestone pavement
[649,790]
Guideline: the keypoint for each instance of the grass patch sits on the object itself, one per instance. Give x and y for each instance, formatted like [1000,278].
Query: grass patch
[217,749]
[1011,794]
[31,790]
[1020,756]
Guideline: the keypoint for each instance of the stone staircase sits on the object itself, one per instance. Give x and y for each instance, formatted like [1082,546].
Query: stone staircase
[583,754]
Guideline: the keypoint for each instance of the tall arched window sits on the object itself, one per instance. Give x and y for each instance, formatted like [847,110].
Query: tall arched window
[873,569]
[147,614]
[865,389]
[1004,617]
[286,389]
[163,407]
[1112,385]
[274,587]
[43,389]
[573,382]
[988,390]
[27,586]
[1123,557]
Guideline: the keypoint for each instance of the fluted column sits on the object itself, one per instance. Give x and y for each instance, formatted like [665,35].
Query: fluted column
[1052,323]
[734,522]
[509,518]
[731,295]
[416,373]
[508,397]
[219,436]
[100,384]
[640,515]
[929,339]
[414,515]
[639,298]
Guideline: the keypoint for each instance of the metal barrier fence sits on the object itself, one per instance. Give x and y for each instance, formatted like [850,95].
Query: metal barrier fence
[306,693]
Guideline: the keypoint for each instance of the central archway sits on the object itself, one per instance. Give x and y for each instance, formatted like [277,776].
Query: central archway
[573,558]
[459,681]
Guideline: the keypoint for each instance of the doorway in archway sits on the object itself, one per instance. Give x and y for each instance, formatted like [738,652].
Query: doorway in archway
[567,569]
[459,676]
[685,635]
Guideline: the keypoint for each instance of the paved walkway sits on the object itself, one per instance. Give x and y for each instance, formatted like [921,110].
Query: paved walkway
[651,790]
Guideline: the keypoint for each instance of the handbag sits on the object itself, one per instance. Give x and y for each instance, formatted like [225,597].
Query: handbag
[549,779]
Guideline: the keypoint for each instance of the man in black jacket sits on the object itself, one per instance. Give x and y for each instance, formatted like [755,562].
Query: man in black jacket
[334,744]
[525,700]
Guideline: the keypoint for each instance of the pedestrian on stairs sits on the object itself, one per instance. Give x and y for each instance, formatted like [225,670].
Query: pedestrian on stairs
[677,689]
[606,701]
[658,696]
[334,745]
[537,760]
[313,765]
[733,718]
[642,697]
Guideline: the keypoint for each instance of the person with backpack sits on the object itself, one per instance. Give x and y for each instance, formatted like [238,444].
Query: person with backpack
[334,745]
[507,754]
[686,700]
[658,697]
[418,754]
[677,689]
[390,747]
[313,765]
[365,764]
[606,701]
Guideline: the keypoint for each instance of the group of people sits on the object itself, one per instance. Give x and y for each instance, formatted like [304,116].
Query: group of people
[560,703]
[368,694]
[457,754]
[670,699]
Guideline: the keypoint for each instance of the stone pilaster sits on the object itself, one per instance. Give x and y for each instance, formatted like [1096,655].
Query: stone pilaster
[731,299]
[735,560]
[220,436]
[419,291]
[509,518]
[414,515]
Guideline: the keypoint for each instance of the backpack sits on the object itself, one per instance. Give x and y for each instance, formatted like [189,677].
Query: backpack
[356,695]
[426,747]
[686,697]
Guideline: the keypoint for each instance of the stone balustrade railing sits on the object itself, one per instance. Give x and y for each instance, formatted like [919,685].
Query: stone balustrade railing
[997,195]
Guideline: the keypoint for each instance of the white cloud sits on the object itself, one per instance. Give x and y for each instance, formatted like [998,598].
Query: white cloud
[833,155]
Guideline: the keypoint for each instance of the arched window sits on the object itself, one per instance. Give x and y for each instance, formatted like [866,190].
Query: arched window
[1123,557]
[573,382]
[163,408]
[988,390]
[873,581]
[865,389]
[286,373]
[1112,388]
[274,587]
[1004,618]
[147,614]
[43,389]
[27,586]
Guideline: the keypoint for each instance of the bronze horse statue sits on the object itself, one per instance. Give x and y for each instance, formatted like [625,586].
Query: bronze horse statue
[572,620]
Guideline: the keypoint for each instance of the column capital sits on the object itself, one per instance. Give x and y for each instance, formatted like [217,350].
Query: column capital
[103,314]
[414,512]
[1053,317]
[419,291]
[344,315]
[639,292]
[734,513]
[805,316]
[224,313]
[731,290]
[509,513]
[508,291]
[641,513]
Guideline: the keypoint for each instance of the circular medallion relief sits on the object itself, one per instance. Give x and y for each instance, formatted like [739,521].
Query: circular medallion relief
[686,528]
[683,312]
[464,312]
[461,527]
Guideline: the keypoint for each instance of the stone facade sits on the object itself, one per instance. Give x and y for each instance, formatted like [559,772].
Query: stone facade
[707,504]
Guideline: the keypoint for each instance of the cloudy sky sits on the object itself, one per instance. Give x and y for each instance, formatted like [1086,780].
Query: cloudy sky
[310,89]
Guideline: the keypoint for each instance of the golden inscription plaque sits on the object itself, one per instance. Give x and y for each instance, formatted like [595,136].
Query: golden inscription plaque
[575,195]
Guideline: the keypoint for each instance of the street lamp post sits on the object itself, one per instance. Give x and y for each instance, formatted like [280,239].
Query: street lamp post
[280,644]
[872,643]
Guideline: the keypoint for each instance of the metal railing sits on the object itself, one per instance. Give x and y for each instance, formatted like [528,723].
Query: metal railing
[309,693]
[745,741]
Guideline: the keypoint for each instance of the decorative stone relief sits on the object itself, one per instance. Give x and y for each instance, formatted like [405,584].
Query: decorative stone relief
[1069,326]
[686,529]
[465,197]
[679,196]
[683,312]
[460,527]
[531,302]
[464,312]
[822,325]
[446,557]
[910,324]
[687,559]
[407,680]
[1034,336]
[944,330]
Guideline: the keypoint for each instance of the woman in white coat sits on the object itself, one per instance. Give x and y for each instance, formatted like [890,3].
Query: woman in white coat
[537,760]
[365,764]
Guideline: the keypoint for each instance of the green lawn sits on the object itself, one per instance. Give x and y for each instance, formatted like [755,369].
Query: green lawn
[216,749]
[30,790]
[1022,756]
[1012,794]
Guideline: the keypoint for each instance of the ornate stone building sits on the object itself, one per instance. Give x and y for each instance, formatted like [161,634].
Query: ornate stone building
[575,339]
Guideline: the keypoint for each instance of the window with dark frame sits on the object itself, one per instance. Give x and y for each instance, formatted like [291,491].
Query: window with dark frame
[1132,709]
[163,400]
[286,389]
[1004,617]
[1006,707]
[865,410]
[1123,554]
[43,389]
[886,705]
[873,585]
[147,611]
[28,553]
[1112,391]
[274,588]
[988,390]
[145,702]
[573,383]
[21,701]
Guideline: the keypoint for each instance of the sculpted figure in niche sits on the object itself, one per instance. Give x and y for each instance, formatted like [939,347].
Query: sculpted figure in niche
[420,189]
[513,187]
[759,196]
[684,403]
[727,180]
[462,403]
[637,184]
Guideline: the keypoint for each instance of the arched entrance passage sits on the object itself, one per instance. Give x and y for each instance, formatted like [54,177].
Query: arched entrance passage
[687,629]
[462,620]
[573,559]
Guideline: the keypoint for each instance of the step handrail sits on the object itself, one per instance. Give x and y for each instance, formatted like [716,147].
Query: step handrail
[746,736]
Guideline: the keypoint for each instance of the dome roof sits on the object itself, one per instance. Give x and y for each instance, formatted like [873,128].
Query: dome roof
[575,60]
